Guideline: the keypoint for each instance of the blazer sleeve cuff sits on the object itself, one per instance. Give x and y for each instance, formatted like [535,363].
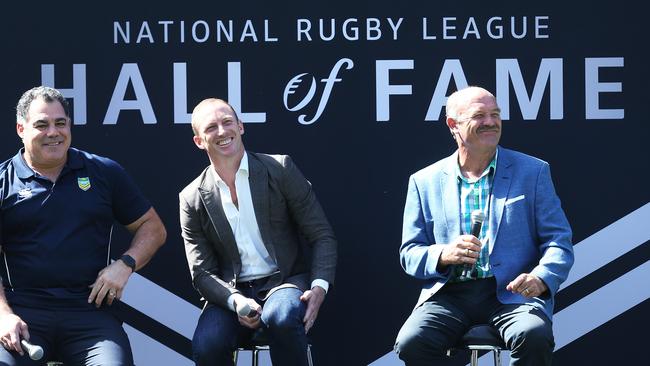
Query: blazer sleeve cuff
[435,251]
[320,283]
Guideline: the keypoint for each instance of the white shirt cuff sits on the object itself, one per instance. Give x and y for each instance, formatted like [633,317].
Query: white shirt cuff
[320,283]
[231,302]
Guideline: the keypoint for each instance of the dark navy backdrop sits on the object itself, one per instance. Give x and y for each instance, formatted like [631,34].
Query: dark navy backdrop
[358,165]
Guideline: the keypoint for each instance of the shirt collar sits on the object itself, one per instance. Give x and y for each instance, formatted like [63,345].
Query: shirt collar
[24,171]
[490,169]
[243,166]
[74,161]
[243,169]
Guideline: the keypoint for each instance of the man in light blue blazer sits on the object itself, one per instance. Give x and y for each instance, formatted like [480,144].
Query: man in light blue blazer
[514,266]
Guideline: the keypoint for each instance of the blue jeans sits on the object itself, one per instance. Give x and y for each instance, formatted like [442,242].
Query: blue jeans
[437,325]
[92,337]
[218,332]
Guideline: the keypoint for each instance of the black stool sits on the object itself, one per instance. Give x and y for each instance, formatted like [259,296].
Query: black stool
[482,337]
[259,342]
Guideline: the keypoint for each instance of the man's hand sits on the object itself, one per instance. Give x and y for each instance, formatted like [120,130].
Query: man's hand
[110,283]
[253,322]
[463,250]
[314,299]
[12,330]
[527,285]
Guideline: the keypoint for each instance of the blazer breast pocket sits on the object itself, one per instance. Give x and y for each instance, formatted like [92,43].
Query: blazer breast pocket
[512,200]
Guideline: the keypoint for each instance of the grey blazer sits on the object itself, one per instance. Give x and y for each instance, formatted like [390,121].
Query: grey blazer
[288,215]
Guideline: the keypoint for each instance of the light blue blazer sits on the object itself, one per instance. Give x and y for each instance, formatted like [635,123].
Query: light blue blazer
[528,231]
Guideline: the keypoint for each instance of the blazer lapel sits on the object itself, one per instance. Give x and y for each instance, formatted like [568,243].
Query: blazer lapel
[500,188]
[451,200]
[212,200]
[259,184]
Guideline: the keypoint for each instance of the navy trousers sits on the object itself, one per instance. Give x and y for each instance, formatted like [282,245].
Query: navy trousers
[90,337]
[440,322]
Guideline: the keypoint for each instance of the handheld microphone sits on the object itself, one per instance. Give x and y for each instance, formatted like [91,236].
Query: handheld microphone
[477,218]
[244,309]
[35,352]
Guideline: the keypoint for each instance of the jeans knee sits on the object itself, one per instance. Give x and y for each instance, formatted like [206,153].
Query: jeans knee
[405,344]
[283,322]
[207,347]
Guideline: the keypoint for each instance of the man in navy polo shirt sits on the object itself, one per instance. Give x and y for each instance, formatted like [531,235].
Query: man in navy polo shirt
[57,209]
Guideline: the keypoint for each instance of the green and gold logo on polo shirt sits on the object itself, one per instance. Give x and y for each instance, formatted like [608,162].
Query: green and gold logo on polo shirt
[84,183]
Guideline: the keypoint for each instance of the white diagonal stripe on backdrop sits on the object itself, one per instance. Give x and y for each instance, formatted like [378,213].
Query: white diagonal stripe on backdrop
[149,352]
[609,301]
[161,305]
[610,243]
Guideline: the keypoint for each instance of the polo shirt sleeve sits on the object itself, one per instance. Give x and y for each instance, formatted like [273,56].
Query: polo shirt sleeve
[129,204]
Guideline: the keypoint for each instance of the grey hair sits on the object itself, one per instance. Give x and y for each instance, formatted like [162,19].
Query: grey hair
[43,92]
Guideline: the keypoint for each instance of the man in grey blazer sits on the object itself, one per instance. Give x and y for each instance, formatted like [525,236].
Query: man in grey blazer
[260,249]
[516,264]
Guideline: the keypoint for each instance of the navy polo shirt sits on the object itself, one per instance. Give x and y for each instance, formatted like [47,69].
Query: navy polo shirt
[56,236]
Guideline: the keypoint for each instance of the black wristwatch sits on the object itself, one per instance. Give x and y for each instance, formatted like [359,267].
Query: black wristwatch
[129,261]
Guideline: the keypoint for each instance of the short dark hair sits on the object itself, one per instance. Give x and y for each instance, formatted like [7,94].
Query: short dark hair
[44,92]
[210,100]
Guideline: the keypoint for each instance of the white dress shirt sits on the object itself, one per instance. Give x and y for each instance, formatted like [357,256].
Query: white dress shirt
[256,260]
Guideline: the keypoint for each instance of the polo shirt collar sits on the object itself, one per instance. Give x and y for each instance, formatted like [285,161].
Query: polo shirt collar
[75,161]
[23,171]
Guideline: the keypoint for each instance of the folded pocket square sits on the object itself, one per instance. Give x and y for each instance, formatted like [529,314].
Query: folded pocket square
[515,199]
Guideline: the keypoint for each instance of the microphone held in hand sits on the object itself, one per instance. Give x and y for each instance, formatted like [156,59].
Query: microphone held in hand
[477,218]
[244,309]
[477,221]
[35,352]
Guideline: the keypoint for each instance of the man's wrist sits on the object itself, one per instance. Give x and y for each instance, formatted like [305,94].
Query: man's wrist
[233,299]
[320,283]
[128,261]
[441,265]
[6,311]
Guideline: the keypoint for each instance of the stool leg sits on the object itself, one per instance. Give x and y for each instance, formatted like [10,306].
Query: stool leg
[309,359]
[474,359]
[497,357]
[256,354]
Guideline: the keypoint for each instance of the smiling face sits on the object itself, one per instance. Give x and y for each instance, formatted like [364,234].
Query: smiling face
[474,119]
[217,130]
[46,134]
